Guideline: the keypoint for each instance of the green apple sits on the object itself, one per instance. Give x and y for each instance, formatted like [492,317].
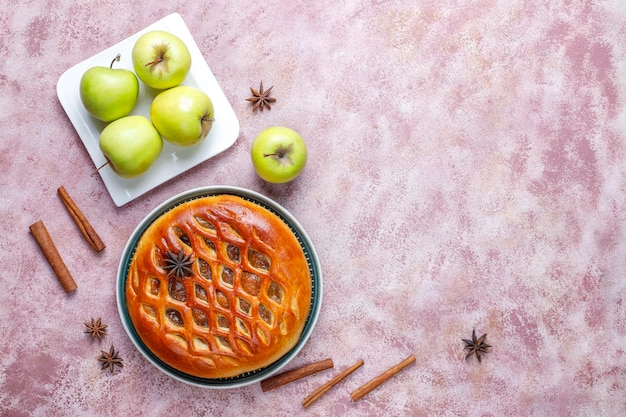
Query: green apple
[183,115]
[161,59]
[278,154]
[131,145]
[109,93]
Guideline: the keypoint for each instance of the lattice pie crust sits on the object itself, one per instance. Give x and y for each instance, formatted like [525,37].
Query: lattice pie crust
[244,301]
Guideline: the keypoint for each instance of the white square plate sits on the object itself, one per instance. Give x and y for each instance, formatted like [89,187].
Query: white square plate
[174,160]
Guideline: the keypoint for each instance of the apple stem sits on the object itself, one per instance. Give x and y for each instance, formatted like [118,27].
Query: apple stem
[156,61]
[278,154]
[99,168]
[116,59]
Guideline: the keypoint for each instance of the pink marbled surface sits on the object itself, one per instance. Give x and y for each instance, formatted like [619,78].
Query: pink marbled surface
[466,170]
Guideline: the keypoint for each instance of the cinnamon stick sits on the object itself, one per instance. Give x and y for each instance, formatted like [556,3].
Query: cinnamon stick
[315,395]
[295,374]
[41,235]
[380,379]
[81,221]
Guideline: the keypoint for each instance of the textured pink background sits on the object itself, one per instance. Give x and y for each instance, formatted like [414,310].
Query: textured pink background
[466,170]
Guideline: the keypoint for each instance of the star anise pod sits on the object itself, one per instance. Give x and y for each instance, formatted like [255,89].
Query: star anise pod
[96,329]
[178,265]
[110,359]
[261,98]
[476,346]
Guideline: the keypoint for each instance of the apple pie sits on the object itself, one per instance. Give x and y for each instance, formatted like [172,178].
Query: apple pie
[218,286]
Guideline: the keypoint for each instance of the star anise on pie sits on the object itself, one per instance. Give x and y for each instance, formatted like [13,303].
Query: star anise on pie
[476,346]
[261,98]
[110,359]
[96,329]
[178,265]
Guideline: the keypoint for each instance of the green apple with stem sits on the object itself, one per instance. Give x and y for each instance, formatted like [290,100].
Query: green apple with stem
[183,115]
[130,144]
[109,93]
[278,154]
[161,59]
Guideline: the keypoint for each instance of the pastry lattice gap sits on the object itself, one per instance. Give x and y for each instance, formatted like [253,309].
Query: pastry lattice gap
[220,313]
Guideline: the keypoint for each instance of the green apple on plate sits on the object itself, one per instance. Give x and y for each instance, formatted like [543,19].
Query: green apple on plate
[183,115]
[130,144]
[161,59]
[278,154]
[109,93]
